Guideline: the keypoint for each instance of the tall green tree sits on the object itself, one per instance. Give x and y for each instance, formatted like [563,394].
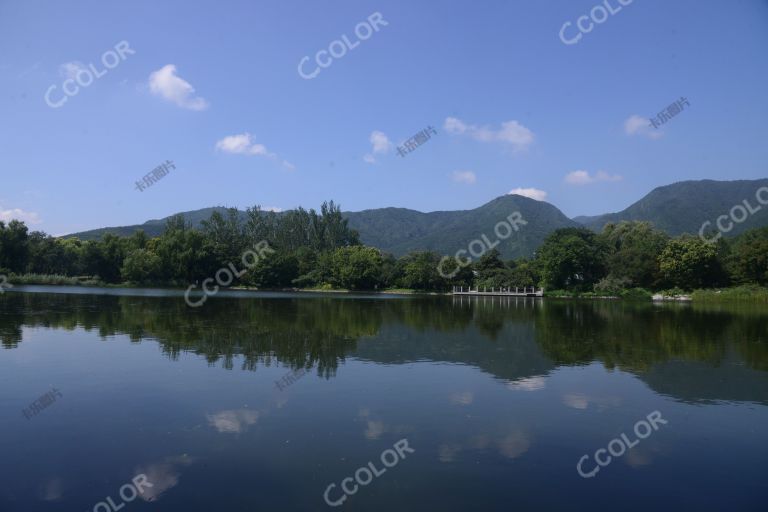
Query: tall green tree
[14,248]
[572,258]
[357,267]
[748,260]
[633,250]
[689,263]
[419,272]
[226,234]
[141,266]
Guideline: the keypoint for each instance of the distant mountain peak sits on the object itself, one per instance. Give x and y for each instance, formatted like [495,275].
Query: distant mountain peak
[676,208]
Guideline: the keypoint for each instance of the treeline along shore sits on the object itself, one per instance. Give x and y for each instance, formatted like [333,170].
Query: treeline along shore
[318,250]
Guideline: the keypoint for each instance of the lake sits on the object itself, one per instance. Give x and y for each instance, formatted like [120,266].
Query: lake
[278,401]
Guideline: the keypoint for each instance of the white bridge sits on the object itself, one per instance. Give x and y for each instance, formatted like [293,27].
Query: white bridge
[526,291]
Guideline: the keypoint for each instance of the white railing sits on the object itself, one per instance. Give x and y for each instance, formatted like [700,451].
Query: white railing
[526,290]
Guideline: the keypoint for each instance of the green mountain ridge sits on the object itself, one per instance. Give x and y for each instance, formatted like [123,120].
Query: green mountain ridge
[677,208]
[684,206]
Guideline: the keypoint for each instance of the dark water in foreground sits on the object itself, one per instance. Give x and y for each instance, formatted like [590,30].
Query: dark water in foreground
[497,399]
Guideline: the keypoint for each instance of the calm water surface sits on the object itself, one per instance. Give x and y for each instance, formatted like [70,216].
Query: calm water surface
[499,400]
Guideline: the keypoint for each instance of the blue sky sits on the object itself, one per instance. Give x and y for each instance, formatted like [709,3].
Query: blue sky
[513,106]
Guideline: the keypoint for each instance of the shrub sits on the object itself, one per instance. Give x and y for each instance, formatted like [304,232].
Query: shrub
[636,294]
[747,293]
[612,285]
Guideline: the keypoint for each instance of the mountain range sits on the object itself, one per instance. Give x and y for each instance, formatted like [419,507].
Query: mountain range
[676,209]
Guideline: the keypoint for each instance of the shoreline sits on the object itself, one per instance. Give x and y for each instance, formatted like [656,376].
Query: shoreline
[712,296]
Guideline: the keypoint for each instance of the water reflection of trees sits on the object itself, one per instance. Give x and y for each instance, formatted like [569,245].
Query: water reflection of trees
[320,332]
[633,337]
[296,333]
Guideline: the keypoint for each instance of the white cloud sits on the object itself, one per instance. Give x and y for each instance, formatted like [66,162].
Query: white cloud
[275,209]
[584,178]
[532,193]
[467,177]
[70,69]
[162,475]
[241,144]
[578,178]
[167,84]
[454,126]
[515,134]
[19,214]
[515,444]
[465,398]
[448,452]
[375,429]
[576,400]
[639,125]
[511,132]
[380,144]
[528,384]
[233,421]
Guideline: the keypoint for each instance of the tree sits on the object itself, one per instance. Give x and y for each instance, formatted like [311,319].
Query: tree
[257,225]
[186,255]
[226,235]
[419,272]
[496,278]
[748,261]
[491,260]
[357,267]
[390,271]
[14,248]
[274,271]
[689,262]
[634,248]
[525,272]
[48,255]
[491,272]
[572,258]
[141,266]
[108,258]
[335,229]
